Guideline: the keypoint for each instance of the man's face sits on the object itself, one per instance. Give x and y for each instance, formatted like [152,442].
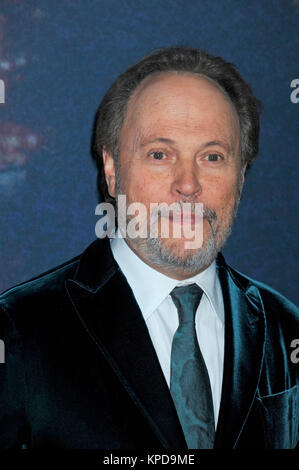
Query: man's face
[179,143]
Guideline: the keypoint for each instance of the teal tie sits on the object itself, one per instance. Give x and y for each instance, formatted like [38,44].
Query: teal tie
[189,380]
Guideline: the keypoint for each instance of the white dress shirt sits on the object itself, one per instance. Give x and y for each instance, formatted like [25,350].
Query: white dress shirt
[152,293]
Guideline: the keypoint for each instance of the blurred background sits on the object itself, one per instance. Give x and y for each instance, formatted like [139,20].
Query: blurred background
[57,59]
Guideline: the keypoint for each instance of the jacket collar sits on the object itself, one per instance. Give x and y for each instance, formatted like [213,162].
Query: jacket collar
[245,330]
[125,342]
[96,266]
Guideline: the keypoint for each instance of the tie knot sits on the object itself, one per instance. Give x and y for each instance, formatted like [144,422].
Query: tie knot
[186,300]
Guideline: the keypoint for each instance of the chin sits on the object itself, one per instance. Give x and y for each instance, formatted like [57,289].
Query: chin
[171,255]
[178,247]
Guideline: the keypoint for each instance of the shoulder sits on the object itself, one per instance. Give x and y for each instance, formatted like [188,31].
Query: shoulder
[275,304]
[40,290]
[46,297]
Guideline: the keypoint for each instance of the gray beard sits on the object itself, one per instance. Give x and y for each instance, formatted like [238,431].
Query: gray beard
[156,252]
[162,256]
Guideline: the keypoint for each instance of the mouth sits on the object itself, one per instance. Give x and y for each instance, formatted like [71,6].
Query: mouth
[184,219]
[193,220]
[190,218]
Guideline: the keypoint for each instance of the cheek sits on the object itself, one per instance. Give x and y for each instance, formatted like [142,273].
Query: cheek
[222,194]
[144,188]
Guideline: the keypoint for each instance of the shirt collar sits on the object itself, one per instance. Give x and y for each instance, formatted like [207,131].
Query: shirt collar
[150,287]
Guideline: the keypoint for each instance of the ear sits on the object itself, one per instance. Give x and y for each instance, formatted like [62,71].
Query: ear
[243,172]
[109,170]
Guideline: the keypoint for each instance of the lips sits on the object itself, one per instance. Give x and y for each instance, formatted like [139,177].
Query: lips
[184,219]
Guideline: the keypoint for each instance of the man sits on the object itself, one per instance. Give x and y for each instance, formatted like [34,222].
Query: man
[140,342]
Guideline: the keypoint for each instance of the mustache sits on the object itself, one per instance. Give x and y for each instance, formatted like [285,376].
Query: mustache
[208,212]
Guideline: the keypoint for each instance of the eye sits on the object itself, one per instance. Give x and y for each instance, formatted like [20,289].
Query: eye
[157,155]
[213,157]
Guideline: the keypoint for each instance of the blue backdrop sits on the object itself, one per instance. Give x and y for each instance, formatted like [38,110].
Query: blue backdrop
[57,59]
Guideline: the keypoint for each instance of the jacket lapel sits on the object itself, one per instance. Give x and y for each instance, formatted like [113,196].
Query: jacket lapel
[108,310]
[243,355]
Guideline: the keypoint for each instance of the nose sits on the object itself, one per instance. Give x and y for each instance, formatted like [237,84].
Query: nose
[186,183]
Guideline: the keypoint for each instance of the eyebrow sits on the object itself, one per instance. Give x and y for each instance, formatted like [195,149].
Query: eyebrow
[165,140]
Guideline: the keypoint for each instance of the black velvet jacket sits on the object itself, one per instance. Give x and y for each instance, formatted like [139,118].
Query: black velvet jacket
[80,370]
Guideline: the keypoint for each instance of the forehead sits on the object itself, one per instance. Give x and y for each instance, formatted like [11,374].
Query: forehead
[180,102]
